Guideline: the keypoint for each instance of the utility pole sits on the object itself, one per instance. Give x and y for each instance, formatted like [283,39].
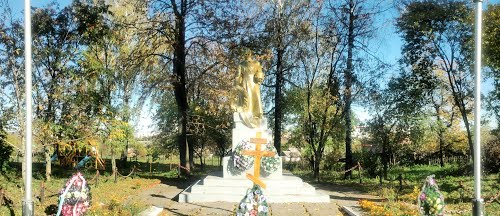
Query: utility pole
[28,208]
[477,202]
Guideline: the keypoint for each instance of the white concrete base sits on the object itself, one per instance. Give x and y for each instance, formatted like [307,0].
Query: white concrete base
[151,211]
[286,189]
[241,132]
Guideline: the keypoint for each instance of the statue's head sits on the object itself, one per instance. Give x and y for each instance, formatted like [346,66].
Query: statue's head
[247,54]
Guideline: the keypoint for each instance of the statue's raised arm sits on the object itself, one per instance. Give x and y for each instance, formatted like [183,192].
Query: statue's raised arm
[247,101]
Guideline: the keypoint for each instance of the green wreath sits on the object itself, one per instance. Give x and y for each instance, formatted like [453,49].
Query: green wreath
[270,164]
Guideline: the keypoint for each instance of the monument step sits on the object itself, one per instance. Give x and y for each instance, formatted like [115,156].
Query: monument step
[285,189]
[304,189]
[281,181]
[236,198]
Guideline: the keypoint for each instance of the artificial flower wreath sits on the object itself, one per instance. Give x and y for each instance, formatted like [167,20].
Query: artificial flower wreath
[270,164]
[254,203]
[75,197]
[430,200]
[244,162]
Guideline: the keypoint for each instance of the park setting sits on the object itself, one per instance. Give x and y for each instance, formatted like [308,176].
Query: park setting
[251,107]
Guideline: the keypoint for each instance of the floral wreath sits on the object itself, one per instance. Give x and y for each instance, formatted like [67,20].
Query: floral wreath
[75,196]
[270,164]
[240,161]
[431,201]
[244,162]
[254,203]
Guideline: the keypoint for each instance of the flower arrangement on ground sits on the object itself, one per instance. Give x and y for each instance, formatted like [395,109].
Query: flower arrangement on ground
[75,197]
[254,203]
[430,200]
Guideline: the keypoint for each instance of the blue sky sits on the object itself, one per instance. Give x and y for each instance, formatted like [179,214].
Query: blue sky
[386,45]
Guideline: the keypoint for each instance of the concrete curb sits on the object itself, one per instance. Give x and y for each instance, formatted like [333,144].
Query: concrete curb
[349,211]
[151,211]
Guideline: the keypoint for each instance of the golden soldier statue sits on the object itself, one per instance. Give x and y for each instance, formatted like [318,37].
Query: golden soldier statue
[247,91]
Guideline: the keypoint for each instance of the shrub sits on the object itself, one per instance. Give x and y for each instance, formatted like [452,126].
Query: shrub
[5,149]
[491,155]
[370,162]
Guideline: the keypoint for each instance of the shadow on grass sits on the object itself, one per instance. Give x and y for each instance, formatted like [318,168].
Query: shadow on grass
[346,198]
[51,209]
[158,196]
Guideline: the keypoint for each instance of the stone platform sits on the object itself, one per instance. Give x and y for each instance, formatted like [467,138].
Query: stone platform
[284,189]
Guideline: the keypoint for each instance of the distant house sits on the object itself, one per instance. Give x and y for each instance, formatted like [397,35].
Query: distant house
[360,132]
[291,155]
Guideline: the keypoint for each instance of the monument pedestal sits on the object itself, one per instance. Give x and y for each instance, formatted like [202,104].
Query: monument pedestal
[286,189]
[232,186]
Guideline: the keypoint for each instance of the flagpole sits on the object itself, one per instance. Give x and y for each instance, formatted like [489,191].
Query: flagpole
[477,202]
[28,207]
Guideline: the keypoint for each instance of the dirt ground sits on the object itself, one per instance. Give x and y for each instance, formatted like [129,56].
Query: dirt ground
[165,194]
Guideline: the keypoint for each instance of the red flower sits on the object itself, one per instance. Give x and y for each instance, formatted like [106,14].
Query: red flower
[253,212]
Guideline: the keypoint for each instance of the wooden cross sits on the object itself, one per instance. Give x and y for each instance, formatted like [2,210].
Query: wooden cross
[258,154]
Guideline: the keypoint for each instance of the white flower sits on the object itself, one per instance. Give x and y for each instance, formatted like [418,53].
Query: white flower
[249,206]
[250,196]
[262,208]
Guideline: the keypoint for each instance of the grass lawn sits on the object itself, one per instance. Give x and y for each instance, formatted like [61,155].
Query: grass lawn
[449,179]
[108,197]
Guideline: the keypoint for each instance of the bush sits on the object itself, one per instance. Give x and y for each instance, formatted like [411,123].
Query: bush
[370,162]
[491,155]
[330,161]
[5,149]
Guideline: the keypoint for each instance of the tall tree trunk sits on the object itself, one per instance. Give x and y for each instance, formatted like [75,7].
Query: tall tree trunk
[49,118]
[347,93]
[113,161]
[469,134]
[440,133]
[459,102]
[317,160]
[385,156]
[441,146]
[191,152]
[48,163]
[23,158]
[179,69]
[126,118]
[278,105]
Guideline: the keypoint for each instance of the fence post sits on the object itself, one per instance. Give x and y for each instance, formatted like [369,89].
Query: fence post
[97,178]
[2,194]
[400,178]
[359,173]
[42,193]
[116,174]
[133,172]
[150,166]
